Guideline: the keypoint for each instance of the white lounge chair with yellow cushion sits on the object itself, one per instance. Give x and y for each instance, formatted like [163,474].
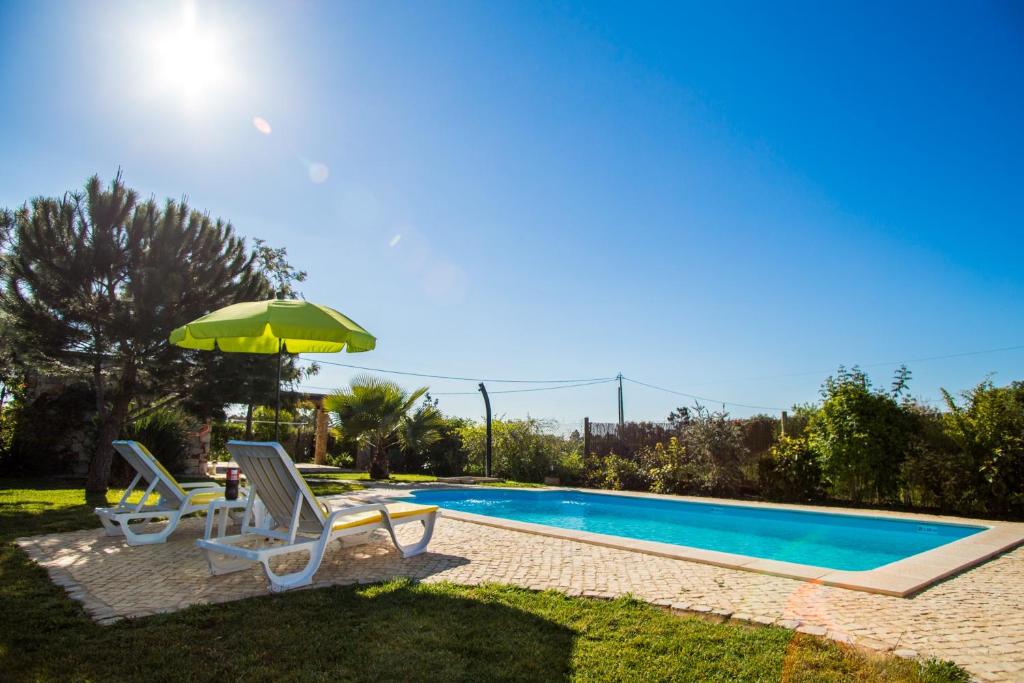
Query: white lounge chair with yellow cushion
[297,521]
[174,500]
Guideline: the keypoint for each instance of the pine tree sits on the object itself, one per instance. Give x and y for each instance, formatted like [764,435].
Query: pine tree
[96,281]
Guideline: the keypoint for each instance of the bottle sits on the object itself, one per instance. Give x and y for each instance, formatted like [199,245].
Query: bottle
[231,487]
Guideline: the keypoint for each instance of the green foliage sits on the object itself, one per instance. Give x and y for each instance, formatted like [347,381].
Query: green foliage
[272,263]
[263,424]
[617,473]
[444,456]
[790,471]
[716,446]
[97,279]
[221,432]
[164,432]
[522,451]
[989,431]
[862,436]
[379,413]
[669,468]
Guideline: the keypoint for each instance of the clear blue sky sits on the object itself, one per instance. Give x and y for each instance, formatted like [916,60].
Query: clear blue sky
[704,197]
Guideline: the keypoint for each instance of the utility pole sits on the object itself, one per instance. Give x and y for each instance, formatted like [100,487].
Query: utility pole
[622,415]
[487,456]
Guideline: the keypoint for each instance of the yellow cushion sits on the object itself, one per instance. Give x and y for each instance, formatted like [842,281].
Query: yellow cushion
[160,466]
[206,498]
[395,510]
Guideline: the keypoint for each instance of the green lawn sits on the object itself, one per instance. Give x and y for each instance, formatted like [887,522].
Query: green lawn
[364,476]
[393,631]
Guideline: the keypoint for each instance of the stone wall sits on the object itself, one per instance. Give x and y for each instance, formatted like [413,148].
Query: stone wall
[197,451]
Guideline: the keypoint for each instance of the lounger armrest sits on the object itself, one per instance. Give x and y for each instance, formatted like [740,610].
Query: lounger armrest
[200,484]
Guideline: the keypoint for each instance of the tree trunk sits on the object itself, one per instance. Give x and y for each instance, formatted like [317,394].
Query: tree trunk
[320,440]
[248,422]
[98,477]
[111,423]
[379,464]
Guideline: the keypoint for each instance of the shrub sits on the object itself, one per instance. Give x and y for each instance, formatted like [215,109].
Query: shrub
[936,473]
[668,468]
[221,432]
[989,431]
[790,471]
[617,473]
[862,437]
[164,432]
[444,456]
[521,450]
[263,424]
[716,447]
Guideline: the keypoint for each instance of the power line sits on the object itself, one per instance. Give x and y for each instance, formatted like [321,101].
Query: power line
[522,391]
[460,379]
[700,398]
[473,393]
[878,364]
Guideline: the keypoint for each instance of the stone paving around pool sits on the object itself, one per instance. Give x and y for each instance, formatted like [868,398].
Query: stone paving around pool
[976,618]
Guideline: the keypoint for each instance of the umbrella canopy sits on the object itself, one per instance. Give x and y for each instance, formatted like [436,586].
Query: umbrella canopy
[273,326]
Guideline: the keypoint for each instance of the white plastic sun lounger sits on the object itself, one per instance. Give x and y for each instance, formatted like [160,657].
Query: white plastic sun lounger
[297,521]
[175,499]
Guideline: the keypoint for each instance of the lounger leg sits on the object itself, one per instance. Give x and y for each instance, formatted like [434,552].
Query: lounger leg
[419,546]
[133,538]
[303,577]
[110,527]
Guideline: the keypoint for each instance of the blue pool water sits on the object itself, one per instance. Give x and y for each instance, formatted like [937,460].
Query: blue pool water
[835,541]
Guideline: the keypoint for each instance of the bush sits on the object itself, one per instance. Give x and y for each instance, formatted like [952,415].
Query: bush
[716,448]
[790,471]
[989,431]
[263,424]
[220,433]
[617,473]
[668,468]
[444,457]
[521,450]
[164,432]
[862,436]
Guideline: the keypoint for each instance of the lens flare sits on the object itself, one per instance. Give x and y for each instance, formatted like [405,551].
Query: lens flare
[318,172]
[261,125]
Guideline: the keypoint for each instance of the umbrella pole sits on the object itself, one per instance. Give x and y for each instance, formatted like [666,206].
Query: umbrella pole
[277,408]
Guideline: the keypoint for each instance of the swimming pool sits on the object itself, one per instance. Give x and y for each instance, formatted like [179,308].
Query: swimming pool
[834,541]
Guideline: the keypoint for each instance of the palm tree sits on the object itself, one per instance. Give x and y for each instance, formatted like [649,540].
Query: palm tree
[379,413]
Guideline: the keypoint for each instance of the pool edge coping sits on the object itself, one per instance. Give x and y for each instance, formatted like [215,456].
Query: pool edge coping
[901,579]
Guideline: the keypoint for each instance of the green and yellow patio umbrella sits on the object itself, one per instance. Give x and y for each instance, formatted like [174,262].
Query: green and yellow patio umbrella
[274,326]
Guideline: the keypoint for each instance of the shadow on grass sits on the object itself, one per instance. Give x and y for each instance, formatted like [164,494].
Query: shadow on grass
[393,631]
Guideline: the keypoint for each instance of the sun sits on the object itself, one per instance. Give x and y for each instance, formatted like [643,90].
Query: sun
[190,62]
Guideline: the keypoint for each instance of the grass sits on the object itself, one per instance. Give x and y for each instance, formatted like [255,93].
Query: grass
[413,478]
[508,483]
[392,631]
[364,476]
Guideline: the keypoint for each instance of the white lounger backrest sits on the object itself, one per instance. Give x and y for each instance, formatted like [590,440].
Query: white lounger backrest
[146,464]
[272,475]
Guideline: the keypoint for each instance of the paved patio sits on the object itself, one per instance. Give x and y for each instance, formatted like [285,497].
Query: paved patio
[975,618]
